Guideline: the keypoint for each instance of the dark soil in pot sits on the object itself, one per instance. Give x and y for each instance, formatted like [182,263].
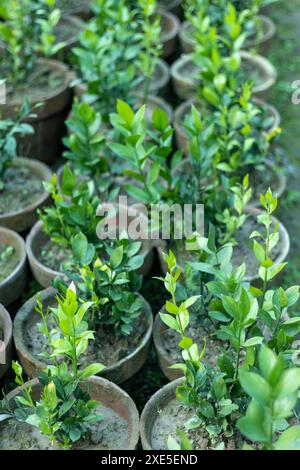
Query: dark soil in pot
[169,29]
[6,338]
[13,269]
[23,193]
[123,356]
[48,83]
[166,344]
[118,429]
[163,415]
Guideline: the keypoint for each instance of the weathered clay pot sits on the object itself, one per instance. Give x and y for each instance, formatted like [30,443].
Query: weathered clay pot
[13,286]
[68,22]
[267,9]
[80,9]
[24,219]
[164,359]
[154,102]
[6,340]
[152,409]
[158,86]
[262,44]
[169,30]
[185,85]
[238,259]
[45,143]
[108,395]
[184,109]
[175,6]
[123,370]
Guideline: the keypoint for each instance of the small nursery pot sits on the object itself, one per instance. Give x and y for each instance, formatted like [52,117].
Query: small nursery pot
[67,31]
[184,84]
[48,123]
[169,30]
[152,412]
[119,372]
[23,219]
[182,139]
[13,286]
[5,340]
[114,402]
[175,6]
[263,43]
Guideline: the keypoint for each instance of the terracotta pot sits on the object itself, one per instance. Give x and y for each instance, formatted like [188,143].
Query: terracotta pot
[175,6]
[185,85]
[250,277]
[6,343]
[181,136]
[76,25]
[23,219]
[152,410]
[262,44]
[109,396]
[118,373]
[45,144]
[13,286]
[169,29]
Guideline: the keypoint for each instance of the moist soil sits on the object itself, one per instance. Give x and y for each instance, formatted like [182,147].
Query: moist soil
[170,340]
[21,189]
[110,433]
[38,86]
[172,417]
[8,261]
[53,255]
[107,348]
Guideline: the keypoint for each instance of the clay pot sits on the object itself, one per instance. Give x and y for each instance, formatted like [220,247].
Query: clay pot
[108,395]
[13,286]
[6,344]
[185,85]
[82,11]
[164,359]
[118,373]
[152,409]
[170,26]
[174,6]
[45,144]
[77,26]
[23,219]
[262,44]
[181,136]
[154,102]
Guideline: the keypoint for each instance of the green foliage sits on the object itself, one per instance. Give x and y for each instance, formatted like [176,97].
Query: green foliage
[64,409]
[9,129]
[274,393]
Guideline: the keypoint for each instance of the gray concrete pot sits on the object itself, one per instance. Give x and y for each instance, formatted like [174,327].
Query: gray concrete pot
[174,6]
[170,26]
[13,286]
[108,395]
[6,343]
[120,372]
[185,85]
[77,25]
[23,219]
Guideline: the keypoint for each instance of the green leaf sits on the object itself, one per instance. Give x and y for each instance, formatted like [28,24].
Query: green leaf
[170,322]
[256,386]
[125,111]
[117,257]
[253,341]
[92,369]
[289,439]
[68,181]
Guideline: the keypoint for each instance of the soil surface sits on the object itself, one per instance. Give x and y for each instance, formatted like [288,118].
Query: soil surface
[53,256]
[8,261]
[108,348]
[22,188]
[111,433]
[172,417]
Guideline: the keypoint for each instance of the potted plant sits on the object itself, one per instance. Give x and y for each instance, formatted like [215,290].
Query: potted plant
[38,79]
[209,403]
[66,407]
[120,317]
[13,266]
[5,340]
[21,179]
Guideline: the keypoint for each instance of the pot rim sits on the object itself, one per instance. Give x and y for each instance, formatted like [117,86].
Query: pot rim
[151,408]
[171,4]
[32,163]
[174,28]
[74,21]
[133,414]
[27,310]
[7,325]
[22,260]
